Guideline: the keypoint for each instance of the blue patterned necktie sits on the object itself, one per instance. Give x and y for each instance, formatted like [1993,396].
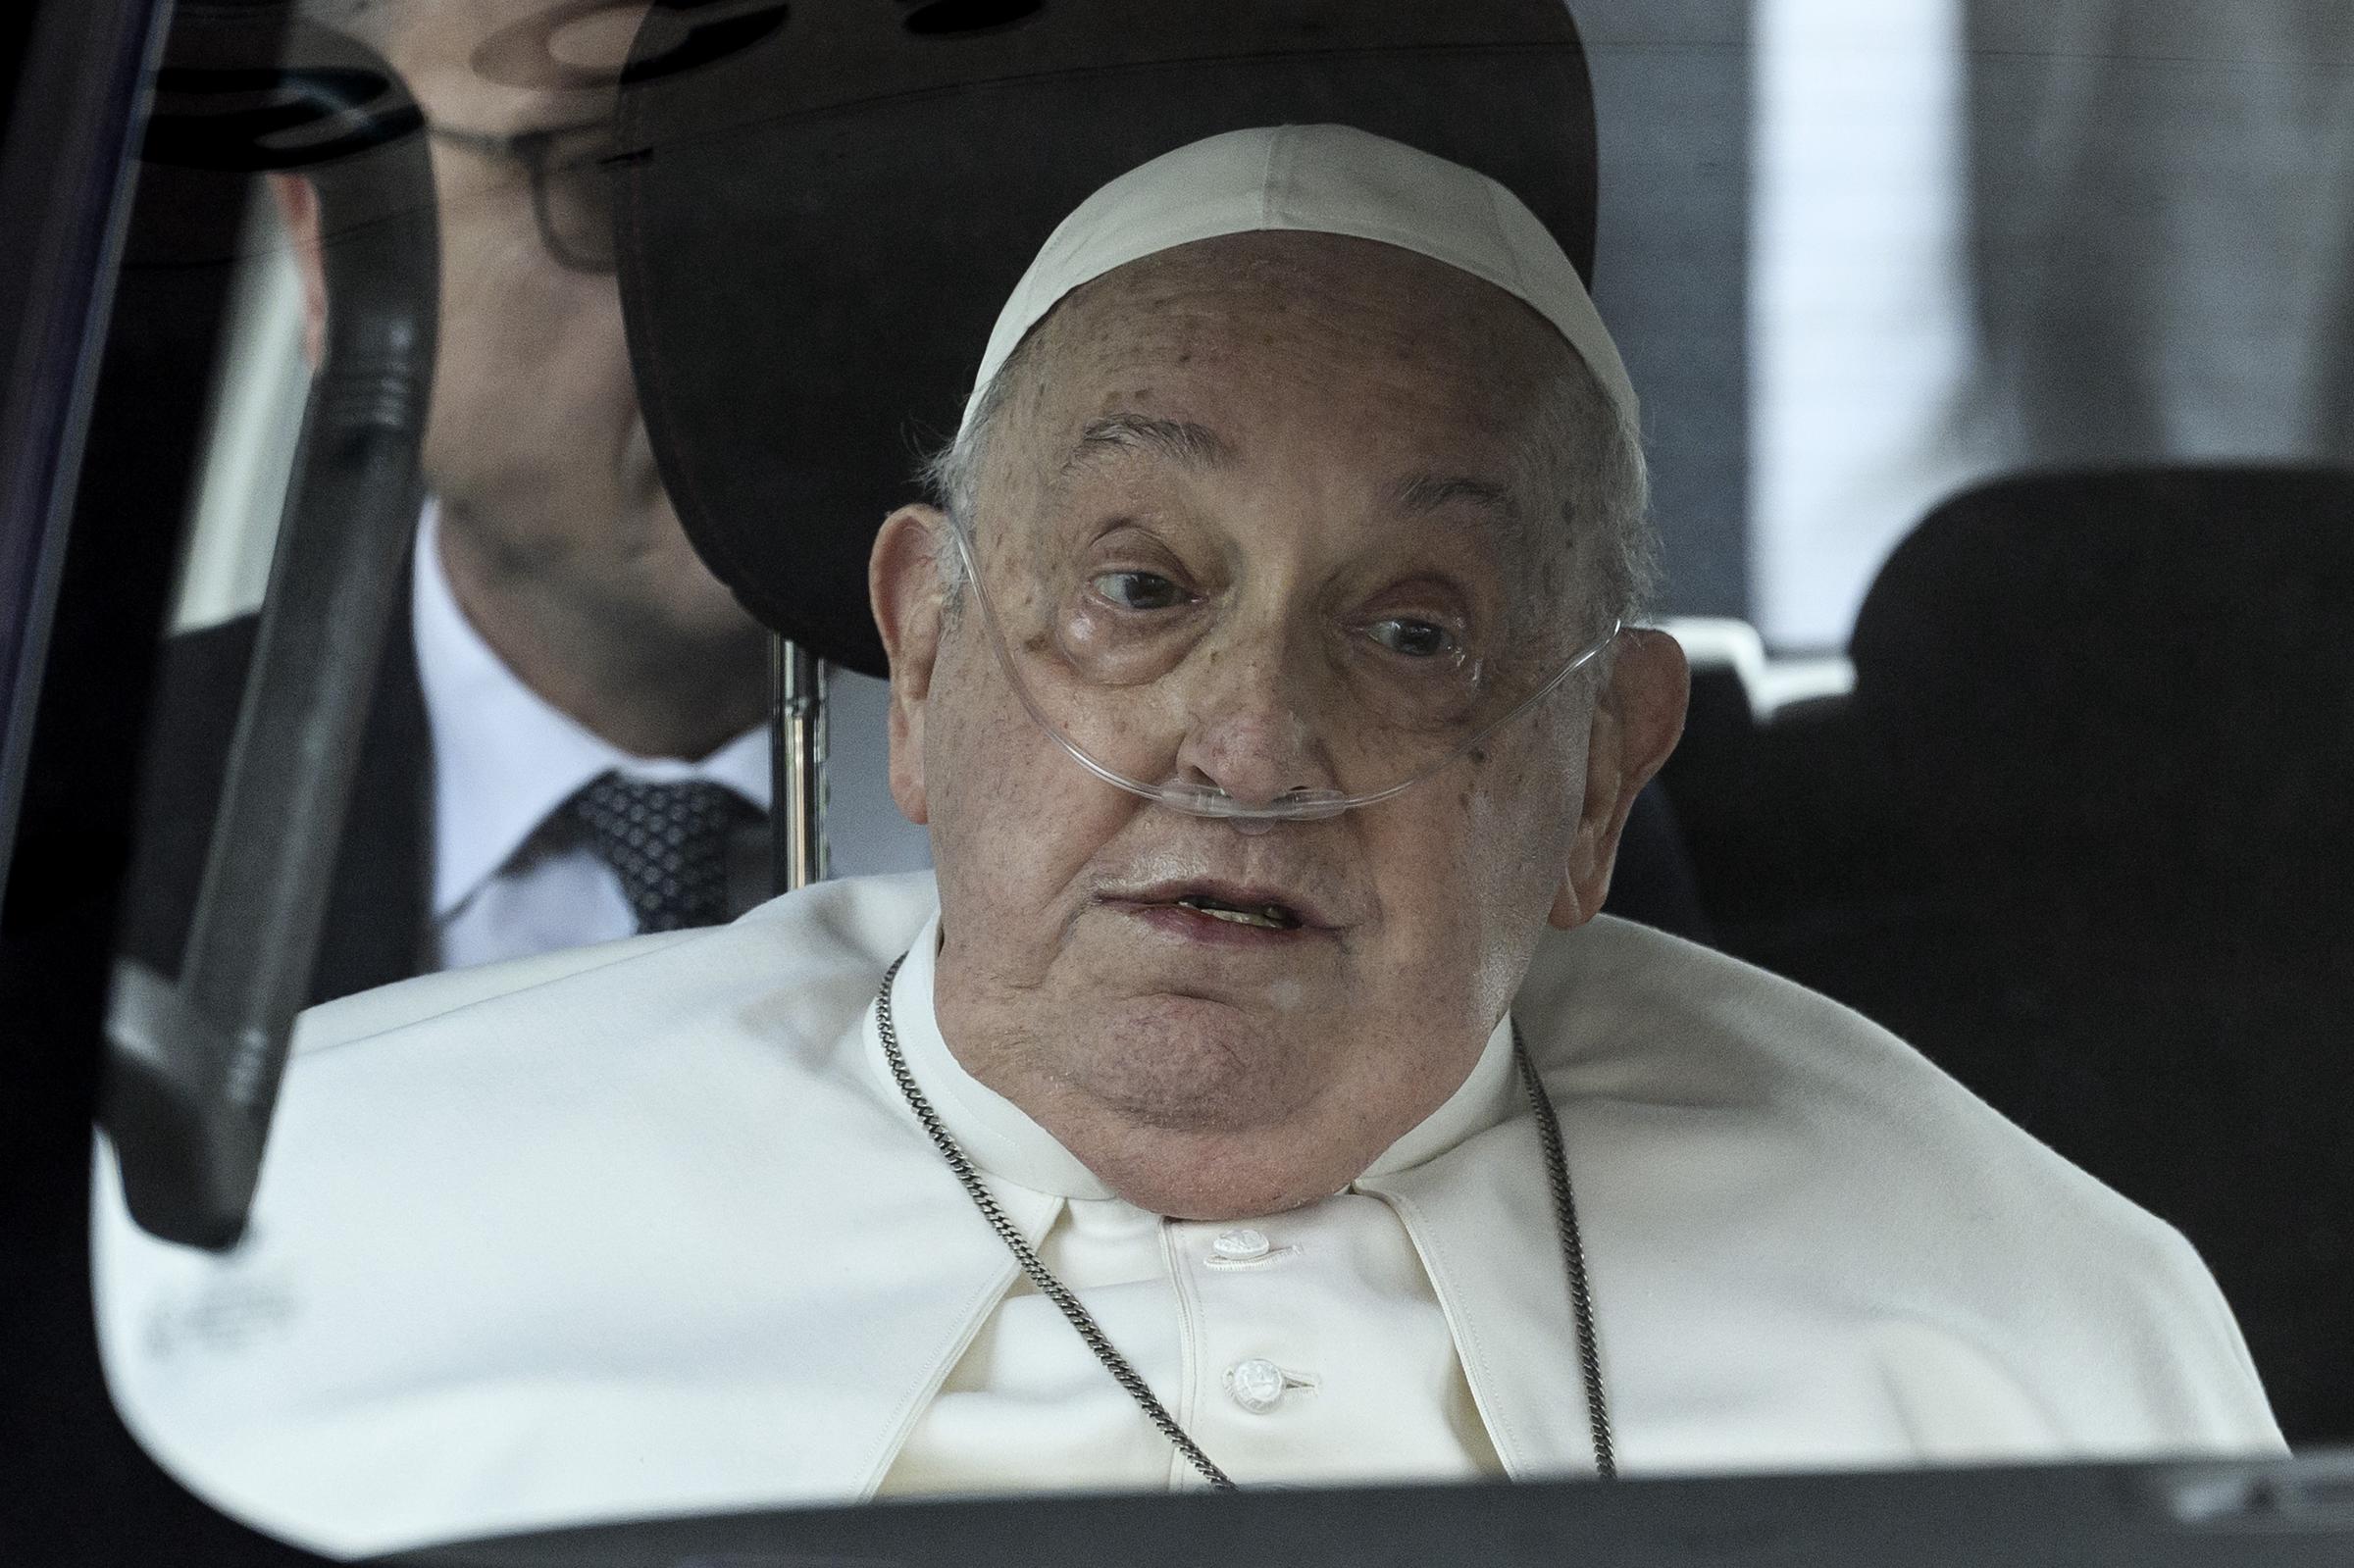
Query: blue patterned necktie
[668,843]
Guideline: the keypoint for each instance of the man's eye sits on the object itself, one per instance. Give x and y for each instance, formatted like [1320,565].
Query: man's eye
[1414,640]
[1139,590]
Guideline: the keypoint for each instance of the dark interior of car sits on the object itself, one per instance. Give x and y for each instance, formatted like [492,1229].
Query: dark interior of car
[2078,831]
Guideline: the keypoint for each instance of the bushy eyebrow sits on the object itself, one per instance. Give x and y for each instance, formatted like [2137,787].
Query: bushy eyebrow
[1423,493]
[1179,440]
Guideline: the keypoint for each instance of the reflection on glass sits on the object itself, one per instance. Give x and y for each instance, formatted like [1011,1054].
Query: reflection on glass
[1133,1147]
[563,745]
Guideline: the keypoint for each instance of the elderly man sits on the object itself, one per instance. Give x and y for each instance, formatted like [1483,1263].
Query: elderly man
[1256,1096]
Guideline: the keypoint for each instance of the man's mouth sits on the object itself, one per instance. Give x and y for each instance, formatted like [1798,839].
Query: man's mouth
[1205,904]
[1267,917]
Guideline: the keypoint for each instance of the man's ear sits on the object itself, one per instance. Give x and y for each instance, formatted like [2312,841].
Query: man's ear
[904,586]
[1637,720]
[299,208]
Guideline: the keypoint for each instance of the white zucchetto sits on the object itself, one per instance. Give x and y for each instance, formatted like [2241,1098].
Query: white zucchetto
[1326,179]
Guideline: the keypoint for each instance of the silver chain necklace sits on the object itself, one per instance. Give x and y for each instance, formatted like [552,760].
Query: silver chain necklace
[1564,1209]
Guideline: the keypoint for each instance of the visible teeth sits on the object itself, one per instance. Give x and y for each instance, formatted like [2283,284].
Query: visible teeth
[1269,917]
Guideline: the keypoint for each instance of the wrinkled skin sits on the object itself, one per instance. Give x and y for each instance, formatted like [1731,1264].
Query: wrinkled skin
[561,545]
[1217,1078]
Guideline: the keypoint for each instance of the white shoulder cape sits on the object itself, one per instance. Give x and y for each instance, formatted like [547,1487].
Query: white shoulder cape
[637,1230]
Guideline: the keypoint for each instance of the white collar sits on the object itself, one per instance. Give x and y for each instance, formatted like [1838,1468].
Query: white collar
[1002,1140]
[504,757]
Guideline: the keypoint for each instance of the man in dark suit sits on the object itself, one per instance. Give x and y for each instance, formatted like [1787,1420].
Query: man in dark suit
[565,671]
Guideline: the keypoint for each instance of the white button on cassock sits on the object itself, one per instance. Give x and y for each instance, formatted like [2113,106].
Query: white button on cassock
[1240,1246]
[1257,1385]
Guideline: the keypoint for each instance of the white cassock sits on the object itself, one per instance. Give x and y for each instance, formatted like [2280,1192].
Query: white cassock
[647,1229]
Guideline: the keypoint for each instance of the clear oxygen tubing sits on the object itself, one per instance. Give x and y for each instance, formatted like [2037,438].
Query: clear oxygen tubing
[1299,804]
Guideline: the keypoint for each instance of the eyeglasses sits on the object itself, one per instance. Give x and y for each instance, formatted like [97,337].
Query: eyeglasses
[1115,666]
[570,169]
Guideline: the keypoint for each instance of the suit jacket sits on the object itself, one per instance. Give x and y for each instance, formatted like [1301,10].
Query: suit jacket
[378,901]
[645,1227]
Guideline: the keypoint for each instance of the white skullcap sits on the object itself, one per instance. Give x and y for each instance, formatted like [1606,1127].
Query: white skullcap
[1322,179]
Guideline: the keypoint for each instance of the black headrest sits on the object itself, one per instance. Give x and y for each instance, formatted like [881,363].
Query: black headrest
[817,228]
[2138,655]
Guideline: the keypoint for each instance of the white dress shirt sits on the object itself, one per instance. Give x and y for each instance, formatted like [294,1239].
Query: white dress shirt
[504,759]
[1304,1349]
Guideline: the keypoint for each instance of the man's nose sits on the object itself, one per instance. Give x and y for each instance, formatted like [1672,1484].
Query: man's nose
[1252,727]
